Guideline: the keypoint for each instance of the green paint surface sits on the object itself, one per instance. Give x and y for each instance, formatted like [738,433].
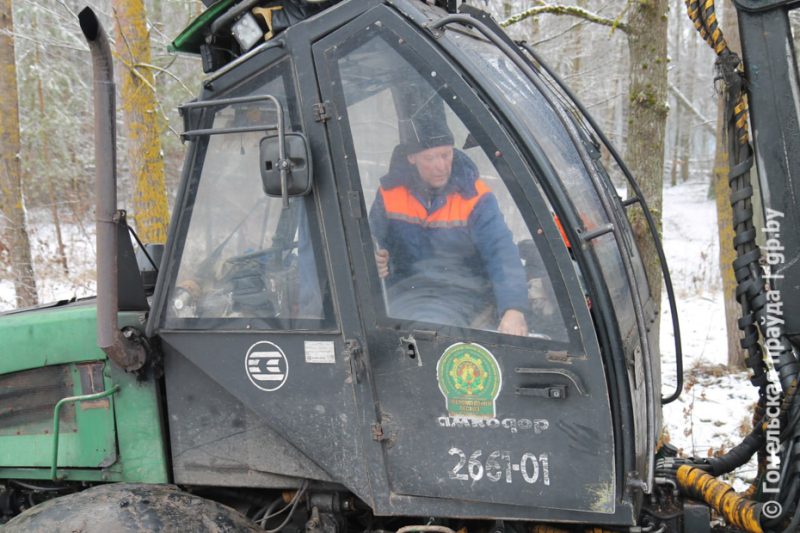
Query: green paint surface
[141,440]
[193,36]
[128,429]
[54,336]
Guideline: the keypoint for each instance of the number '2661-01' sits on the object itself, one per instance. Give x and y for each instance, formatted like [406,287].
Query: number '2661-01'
[499,466]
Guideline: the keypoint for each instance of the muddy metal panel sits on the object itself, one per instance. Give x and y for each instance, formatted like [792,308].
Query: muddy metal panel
[87,438]
[140,432]
[313,409]
[27,399]
[216,440]
[52,353]
[51,336]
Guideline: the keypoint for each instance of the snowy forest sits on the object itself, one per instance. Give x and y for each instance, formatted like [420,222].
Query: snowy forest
[658,103]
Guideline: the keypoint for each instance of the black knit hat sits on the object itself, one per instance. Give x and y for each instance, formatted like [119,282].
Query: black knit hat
[427,127]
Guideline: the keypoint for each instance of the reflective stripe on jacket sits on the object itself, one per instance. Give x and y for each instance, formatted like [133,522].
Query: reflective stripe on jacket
[400,204]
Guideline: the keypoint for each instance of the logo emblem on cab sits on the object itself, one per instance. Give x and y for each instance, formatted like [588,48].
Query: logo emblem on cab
[266,366]
[470,380]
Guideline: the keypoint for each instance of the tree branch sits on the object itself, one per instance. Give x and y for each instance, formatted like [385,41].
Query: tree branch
[614,24]
[167,72]
[690,106]
[125,39]
[132,68]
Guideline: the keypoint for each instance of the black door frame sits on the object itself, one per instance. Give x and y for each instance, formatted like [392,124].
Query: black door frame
[355,209]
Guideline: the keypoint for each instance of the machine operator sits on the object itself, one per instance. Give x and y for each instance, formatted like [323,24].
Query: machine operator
[443,247]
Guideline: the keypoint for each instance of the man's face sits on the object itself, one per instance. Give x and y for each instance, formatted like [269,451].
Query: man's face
[433,165]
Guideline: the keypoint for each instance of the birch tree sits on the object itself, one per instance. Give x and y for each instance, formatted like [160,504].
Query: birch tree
[11,196]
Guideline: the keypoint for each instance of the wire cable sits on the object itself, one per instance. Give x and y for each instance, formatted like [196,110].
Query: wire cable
[785,506]
[266,510]
[30,486]
[793,526]
[291,506]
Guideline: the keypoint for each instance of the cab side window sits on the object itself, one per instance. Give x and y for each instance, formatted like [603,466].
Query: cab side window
[245,261]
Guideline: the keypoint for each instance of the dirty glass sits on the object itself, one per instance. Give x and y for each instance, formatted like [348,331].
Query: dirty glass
[246,261]
[451,247]
[549,132]
[794,27]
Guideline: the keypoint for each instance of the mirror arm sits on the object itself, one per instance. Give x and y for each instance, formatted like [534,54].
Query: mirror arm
[283,162]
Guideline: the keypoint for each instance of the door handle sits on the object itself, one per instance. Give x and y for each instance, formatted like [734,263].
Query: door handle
[554,392]
[409,348]
[558,371]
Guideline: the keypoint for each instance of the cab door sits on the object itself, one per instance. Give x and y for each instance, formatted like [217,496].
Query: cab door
[474,404]
[256,382]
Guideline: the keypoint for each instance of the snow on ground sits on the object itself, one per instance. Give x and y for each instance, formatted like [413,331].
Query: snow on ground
[52,283]
[714,410]
[6,294]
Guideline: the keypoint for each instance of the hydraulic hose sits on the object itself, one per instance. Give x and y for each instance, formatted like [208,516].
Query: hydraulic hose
[737,510]
[785,506]
[739,454]
[758,414]
[751,290]
[755,441]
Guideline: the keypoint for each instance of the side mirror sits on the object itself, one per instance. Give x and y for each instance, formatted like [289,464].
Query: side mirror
[298,175]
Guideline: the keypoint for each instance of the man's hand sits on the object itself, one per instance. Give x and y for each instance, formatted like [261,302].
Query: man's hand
[513,323]
[382,260]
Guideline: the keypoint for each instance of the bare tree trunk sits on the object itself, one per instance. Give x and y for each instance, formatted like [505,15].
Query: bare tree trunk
[686,153]
[673,179]
[678,116]
[727,253]
[11,200]
[141,110]
[62,257]
[508,8]
[611,120]
[686,137]
[647,42]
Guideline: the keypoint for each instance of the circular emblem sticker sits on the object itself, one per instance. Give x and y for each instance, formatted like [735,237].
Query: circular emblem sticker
[267,366]
[470,380]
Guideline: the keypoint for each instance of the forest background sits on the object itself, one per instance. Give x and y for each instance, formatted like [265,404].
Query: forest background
[638,66]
